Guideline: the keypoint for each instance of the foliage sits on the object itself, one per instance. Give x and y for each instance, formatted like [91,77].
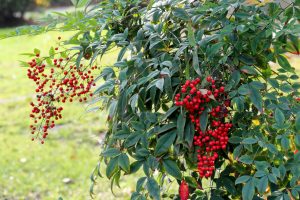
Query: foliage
[164,43]
[10,8]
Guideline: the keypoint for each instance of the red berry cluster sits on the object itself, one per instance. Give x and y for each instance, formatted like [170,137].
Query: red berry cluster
[55,84]
[196,99]
[183,190]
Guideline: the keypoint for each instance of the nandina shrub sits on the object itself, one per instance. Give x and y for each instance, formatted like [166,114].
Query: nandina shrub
[194,99]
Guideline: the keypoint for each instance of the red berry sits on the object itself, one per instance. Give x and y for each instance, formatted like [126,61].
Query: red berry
[184,190]
[209,79]
[216,137]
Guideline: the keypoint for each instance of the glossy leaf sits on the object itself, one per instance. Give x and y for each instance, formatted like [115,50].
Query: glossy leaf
[124,163]
[164,143]
[153,188]
[172,168]
[203,120]
[248,190]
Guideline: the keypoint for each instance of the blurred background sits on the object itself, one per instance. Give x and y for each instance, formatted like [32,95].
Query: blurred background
[62,166]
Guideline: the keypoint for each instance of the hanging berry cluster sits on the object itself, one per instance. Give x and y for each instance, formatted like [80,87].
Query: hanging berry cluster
[198,98]
[56,84]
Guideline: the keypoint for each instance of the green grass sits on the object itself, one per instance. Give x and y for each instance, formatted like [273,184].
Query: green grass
[29,170]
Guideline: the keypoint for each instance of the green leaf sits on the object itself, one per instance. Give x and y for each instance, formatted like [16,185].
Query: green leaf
[111,152]
[166,127]
[191,36]
[284,63]
[282,171]
[196,61]
[140,183]
[272,148]
[181,14]
[260,173]
[256,98]
[36,51]
[285,142]
[168,87]
[153,188]
[121,134]
[279,117]
[262,165]
[262,184]
[139,126]
[244,89]
[295,193]
[242,179]
[297,140]
[235,140]
[247,59]
[160,84]
[111,167]
[249,70]
[143,152]
[51,52]
[249,140]
[164,143]
[246,159]
[248,190]
[189,132]
[107,85]
[297,121]
[234,80]
[214,49]
[237,151]
[229,185]
[132,139]
[257,84]
[235,76]
[124,162]
[276,172]
[191,181]
[115,179]
[166,71]
[169,112]
[122,53]
[135,166]
[272,178]
[203,120]
[286,87]
[239,102]
[180,125]
[133,101]
[172,168]
[78,59]
[273,82]
[146,168]
[137,196]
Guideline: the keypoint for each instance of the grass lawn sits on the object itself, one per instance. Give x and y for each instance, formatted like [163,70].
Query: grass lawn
[62,166]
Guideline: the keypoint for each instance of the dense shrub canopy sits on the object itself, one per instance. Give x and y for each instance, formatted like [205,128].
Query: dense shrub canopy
[164,47]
